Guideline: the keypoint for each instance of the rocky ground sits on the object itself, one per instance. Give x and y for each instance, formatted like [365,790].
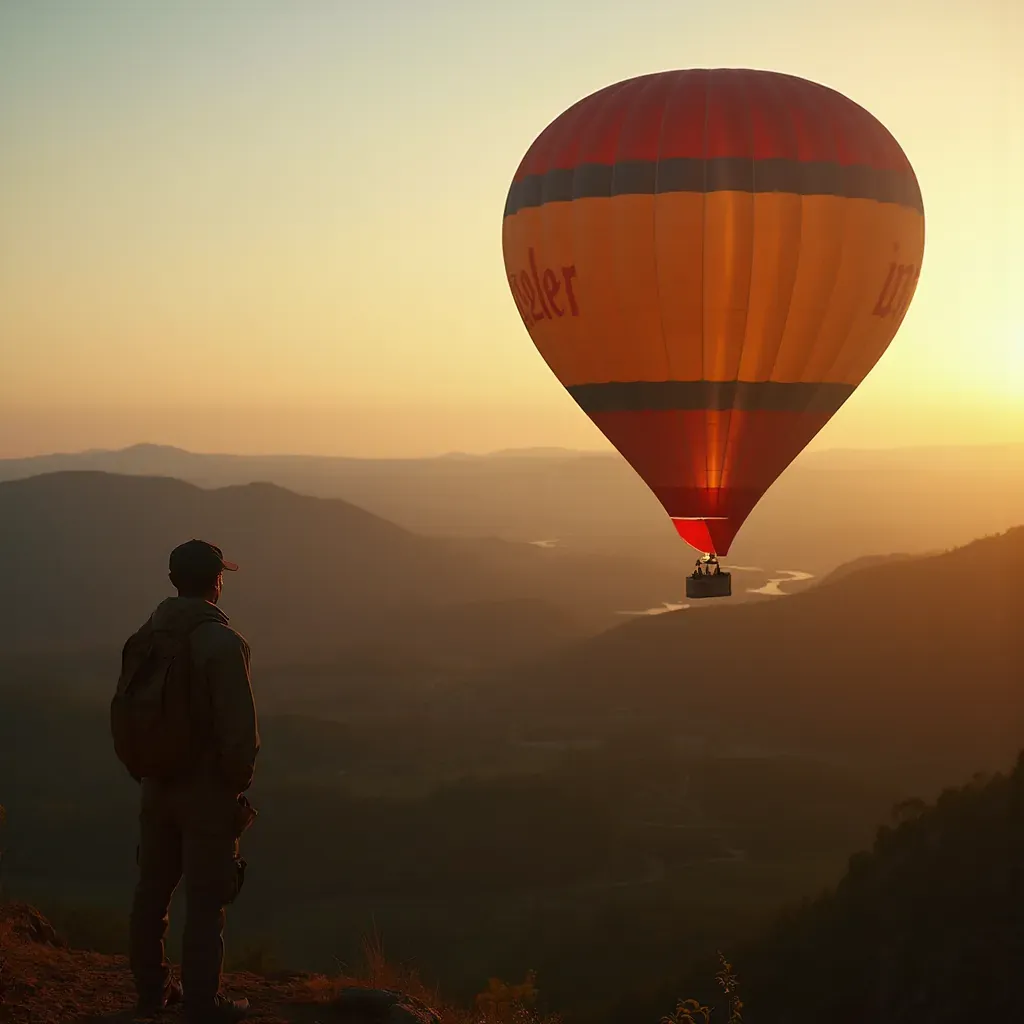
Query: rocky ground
[44,982]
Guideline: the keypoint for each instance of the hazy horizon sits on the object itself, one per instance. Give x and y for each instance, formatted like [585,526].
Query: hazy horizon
[276,228]
[606,450]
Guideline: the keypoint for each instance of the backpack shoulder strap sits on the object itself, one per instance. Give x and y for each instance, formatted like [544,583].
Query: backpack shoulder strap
[144,631]
[185,635]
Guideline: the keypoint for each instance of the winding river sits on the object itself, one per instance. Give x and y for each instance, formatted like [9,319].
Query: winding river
[772,587]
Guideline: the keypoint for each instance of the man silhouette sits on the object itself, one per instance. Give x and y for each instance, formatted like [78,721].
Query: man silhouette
[190,826]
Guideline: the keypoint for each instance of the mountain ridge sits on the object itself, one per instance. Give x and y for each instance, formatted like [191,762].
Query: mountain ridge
[86,553]
[828,508]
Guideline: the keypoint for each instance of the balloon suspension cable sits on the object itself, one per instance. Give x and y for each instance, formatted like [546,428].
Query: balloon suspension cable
[707,560]
[708,579]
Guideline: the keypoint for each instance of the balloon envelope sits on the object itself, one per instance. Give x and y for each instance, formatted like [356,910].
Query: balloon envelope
[711,261]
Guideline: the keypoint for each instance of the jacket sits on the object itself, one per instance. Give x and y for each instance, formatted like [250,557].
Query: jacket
[220,663]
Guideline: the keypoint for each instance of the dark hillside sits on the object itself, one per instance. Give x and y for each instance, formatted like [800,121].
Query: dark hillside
[917,661]
[927,926]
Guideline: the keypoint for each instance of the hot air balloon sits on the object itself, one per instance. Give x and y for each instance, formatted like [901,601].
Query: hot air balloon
[711,261]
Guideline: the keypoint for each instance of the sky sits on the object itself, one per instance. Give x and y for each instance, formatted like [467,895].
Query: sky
[257,226]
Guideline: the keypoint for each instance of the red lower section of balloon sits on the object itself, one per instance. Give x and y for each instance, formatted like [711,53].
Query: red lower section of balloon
[709,468]
[698,534]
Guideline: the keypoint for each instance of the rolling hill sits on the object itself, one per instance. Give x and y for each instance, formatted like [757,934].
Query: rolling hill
[828,508]
[84,556]
[916,661]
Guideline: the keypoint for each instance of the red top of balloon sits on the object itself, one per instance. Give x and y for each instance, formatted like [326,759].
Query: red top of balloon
[712,113]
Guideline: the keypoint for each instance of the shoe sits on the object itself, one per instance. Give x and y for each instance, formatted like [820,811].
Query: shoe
[149,1006]
[221,1011]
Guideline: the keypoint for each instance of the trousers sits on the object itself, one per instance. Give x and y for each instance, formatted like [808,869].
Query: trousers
[187,831]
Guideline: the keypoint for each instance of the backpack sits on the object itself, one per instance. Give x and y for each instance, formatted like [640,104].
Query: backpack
[151,714]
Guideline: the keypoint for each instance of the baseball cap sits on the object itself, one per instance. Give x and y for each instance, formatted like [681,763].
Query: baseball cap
[198,558]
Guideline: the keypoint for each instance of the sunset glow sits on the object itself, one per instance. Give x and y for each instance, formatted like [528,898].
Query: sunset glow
[277,227]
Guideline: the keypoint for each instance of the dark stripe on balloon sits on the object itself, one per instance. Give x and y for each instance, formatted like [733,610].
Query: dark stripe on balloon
[724,174]
[663,395]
